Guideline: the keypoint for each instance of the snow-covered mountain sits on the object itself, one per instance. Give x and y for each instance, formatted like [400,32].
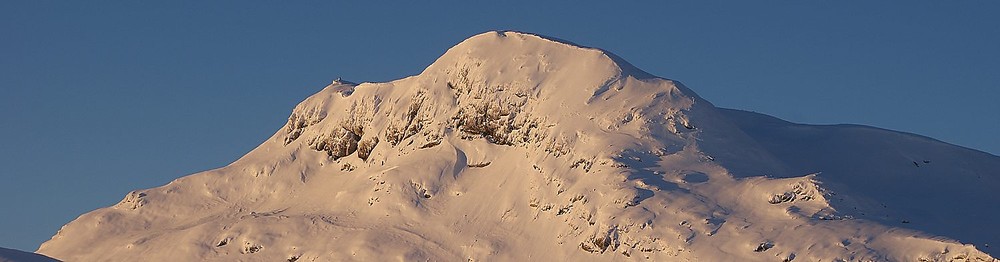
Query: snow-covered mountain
[513,146]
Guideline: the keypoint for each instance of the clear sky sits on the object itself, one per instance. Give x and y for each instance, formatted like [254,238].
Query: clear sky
[98,99]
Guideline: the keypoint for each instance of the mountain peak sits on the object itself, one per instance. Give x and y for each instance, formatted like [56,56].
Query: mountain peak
[498,46]
[514,146]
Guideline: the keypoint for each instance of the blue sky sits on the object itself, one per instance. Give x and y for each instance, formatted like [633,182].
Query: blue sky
[98,99]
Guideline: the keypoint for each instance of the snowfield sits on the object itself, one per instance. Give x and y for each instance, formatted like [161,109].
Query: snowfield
[515,147]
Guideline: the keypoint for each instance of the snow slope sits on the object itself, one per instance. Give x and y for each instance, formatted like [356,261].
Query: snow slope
[900,179]
[13,255]
[513,146]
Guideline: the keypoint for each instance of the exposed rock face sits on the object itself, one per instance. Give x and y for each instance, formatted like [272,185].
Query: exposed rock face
[513,146]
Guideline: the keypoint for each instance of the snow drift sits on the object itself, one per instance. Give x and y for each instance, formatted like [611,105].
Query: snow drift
[513,146]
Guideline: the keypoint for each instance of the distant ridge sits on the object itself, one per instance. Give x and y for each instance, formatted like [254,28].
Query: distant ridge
[13,255]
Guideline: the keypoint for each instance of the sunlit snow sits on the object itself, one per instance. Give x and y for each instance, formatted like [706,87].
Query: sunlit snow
[517,147]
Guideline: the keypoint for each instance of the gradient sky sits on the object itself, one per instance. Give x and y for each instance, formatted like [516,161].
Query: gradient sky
[98,99]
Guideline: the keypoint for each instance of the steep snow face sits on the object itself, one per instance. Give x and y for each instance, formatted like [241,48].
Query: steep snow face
[511,146]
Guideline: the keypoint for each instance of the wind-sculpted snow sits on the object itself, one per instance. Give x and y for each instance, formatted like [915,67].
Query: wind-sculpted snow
[515,147]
